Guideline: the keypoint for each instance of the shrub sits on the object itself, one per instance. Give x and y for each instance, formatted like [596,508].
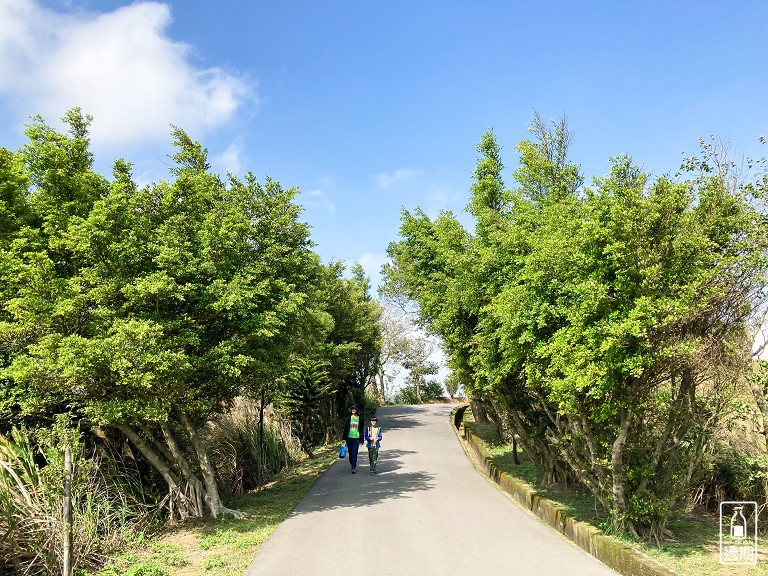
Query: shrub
[733,474]
[105,510]
[406,395]
[431,390]
[369,405]
[233,442]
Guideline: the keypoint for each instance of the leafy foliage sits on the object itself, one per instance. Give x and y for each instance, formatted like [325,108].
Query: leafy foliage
[453,385]
[604,326]
[147,311]
[308,384]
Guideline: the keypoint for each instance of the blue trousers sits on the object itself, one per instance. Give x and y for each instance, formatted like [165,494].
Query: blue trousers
[353,444]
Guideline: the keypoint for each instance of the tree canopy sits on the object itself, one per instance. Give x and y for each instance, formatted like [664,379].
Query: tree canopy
[147,310]
[598,323]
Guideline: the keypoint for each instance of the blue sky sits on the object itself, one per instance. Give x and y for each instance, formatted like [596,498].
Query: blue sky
[369,106]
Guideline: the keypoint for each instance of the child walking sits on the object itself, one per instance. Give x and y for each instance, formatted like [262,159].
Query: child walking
[373,442]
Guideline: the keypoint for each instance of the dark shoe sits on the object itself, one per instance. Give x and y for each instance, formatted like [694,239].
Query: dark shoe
[353,471]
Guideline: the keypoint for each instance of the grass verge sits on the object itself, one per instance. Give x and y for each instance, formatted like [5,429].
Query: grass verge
[223,546]
[694,550]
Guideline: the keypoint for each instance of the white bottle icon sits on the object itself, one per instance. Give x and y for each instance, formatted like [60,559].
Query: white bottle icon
[738,524]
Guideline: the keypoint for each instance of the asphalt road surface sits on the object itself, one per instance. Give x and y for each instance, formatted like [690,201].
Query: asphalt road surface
[427,511]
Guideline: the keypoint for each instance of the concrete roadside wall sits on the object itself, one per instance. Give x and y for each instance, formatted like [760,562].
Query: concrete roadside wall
[619,556]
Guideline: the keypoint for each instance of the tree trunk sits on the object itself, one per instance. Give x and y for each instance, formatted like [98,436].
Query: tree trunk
[67,552]
[327,420]
[478,411]
[514,450]
[262,455]
[157,461]
[305,431]
[617,470]
[206,467]
[381,384]
[195,485]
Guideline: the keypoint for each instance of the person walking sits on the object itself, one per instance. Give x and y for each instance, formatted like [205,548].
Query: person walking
[353,435]
[373,443]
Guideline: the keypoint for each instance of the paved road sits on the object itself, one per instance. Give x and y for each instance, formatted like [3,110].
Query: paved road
[427,512]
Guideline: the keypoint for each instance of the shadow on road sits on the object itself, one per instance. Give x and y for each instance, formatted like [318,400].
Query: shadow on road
[389,460]
[362,489]
[398,423]
[398,417]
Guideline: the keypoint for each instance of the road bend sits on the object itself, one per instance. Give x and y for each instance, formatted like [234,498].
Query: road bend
[427,511]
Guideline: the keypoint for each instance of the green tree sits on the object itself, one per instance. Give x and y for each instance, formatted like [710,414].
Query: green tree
[417,362]
[148,310]
[353,344]
[594,323]
[453,385]
[307,386]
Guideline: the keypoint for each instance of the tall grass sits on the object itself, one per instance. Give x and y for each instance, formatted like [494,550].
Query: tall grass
[233,443]
[105,510]
[733,473]
[28,523]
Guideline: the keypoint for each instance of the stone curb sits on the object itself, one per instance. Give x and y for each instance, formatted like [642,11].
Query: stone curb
[622,558]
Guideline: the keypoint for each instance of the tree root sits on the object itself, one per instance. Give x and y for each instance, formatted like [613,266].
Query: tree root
[236,514]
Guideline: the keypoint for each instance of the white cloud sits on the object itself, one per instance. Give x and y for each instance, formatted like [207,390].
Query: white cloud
[230,160]
[318,198]
[386,180]
[119,66]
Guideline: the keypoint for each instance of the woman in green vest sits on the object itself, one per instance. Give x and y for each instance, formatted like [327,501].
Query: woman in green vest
[353,434]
